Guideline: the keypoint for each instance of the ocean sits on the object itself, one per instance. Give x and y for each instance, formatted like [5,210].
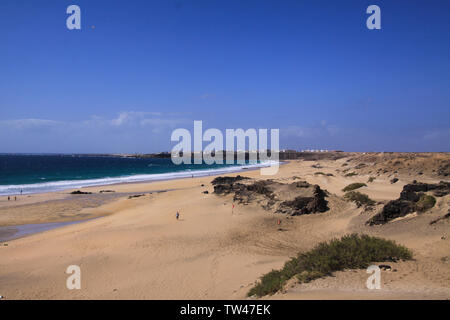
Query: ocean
[46,173]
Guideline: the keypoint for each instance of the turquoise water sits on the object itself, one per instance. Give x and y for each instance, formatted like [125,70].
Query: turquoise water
[44,173]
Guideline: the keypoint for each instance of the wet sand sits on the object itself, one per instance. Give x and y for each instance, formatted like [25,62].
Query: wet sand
[15,232]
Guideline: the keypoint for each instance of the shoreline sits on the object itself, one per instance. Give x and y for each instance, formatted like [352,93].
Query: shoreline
[135,178]
[9,233]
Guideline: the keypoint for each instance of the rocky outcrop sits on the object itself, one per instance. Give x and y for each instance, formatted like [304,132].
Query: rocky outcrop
[444,169]
[394,180]
[294,199]
[306,205]
[80,192]
[393,209]
[227,180]
[413,191]
[412,199]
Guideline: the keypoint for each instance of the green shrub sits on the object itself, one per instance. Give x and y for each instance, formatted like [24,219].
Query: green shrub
[307,276]
[359,198]
[351,174]
[349,252]
[425,203]
[354,186]
[371,179]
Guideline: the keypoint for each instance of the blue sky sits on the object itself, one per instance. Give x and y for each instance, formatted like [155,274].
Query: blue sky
[139,69]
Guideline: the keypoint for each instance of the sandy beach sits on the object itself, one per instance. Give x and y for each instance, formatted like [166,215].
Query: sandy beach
[137,249]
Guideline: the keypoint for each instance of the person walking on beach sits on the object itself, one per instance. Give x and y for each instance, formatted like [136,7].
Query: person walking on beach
[177,215]
[21,191]
[8,198]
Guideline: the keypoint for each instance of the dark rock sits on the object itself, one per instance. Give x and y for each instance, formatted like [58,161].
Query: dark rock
[385,267]
[106,191]
[412,198]
[306,205]
[302,184]
[440,193]
[136,196]
[225,188]
[227,180]
[393,209]
[394,180]
[409,195]
[439,190]
[80,192]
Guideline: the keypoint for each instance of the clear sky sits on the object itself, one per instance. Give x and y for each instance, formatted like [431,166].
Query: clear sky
[139,69]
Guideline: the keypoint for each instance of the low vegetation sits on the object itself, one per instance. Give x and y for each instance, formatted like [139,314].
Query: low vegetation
[350,252]
[354,186]
[351,174]
[371,179]
[425,203]
[324,174]
[359,198]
